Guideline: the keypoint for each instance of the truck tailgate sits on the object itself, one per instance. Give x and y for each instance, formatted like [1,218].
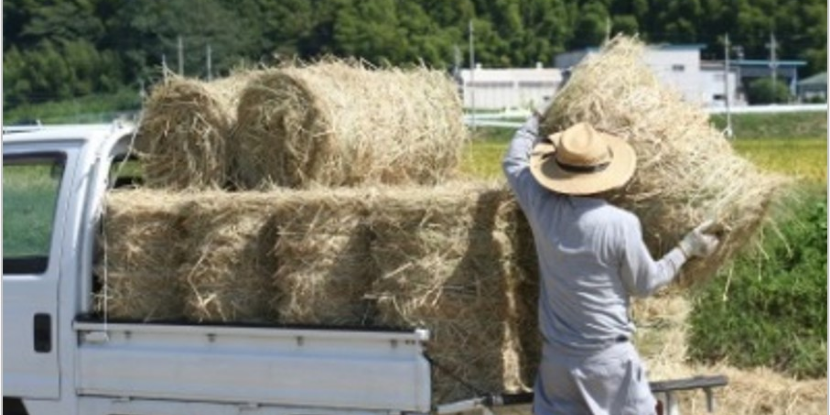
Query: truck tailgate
[258,366]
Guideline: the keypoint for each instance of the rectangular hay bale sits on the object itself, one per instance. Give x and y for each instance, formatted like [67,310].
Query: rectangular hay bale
[325,268]
[228,266]
[445,261]
[141,242]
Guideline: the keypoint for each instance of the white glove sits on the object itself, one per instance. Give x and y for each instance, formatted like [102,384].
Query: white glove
[698,243]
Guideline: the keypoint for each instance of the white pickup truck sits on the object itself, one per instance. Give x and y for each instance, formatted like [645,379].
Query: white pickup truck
[59,360]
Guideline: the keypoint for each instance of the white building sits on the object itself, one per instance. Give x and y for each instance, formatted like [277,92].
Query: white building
[512,88]
[714,85]
[679,66]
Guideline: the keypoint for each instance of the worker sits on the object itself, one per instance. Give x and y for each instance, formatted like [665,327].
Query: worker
[592,259]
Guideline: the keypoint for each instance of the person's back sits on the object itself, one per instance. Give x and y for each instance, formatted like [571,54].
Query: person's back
[584,303]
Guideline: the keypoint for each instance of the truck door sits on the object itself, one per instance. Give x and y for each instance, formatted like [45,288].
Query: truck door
[36,191]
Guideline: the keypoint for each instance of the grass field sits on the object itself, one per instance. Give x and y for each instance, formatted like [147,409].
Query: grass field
[805,158]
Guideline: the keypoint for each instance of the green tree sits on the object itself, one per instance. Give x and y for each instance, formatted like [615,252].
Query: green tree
[763,91]
[369,29]
[591,26]
[145,31]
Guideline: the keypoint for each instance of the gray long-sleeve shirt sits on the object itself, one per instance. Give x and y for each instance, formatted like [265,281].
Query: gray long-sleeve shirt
[592,257]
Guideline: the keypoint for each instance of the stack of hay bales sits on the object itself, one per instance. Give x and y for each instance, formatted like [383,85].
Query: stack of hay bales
[687,172]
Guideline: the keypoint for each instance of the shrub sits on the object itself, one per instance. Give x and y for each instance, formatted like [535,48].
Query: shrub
[764,91]
[772,309]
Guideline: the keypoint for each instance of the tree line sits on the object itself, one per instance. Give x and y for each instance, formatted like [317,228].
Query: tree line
[59,49]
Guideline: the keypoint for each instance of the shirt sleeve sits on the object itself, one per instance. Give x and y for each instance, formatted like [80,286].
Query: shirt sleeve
[516,163]
[641,274]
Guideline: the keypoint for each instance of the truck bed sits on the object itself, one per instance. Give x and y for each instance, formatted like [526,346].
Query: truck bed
[286,367]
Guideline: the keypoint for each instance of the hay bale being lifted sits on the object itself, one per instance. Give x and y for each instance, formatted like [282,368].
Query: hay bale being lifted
[185,131]
[687,171]
[446,263]
[339,124]
[142,242]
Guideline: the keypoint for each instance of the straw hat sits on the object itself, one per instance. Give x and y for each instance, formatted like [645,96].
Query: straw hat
[582,161]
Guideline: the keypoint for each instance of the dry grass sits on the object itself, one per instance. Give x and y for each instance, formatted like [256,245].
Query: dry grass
[334,123]
[446,261]
[687,172]
[227,268]
[185,131]
[142,242]
[325,268]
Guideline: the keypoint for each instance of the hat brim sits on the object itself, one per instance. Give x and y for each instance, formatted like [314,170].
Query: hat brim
[552,176]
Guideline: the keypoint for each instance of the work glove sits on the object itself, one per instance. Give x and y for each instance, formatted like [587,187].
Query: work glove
[698,243]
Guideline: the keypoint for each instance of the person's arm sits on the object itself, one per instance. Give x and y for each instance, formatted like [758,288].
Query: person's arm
[641,274]
[516,163]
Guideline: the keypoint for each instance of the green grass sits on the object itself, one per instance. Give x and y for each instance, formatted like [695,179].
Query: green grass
[89,109]
[769,308]
[804,158]
[780,125]
[29,197]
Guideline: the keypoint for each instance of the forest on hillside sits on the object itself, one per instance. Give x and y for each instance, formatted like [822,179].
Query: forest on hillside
[60,49]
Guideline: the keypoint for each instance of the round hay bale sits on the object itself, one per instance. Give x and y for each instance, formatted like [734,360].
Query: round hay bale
[339,124]
[227,270]
[446,260]
[687,170]
[185,132]
[325,268]
[140,249]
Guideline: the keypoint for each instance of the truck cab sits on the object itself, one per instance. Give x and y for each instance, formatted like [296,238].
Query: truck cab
[59,357]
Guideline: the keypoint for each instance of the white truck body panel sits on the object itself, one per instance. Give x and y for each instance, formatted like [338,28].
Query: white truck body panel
[360,370]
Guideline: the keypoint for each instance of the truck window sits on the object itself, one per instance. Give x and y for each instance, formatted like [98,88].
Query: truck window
[31,185]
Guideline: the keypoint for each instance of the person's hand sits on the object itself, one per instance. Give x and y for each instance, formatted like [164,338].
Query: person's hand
[698,243]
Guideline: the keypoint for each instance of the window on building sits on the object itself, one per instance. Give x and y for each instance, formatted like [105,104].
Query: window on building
[490,84]
[718,97]
[537,84]
[678,68]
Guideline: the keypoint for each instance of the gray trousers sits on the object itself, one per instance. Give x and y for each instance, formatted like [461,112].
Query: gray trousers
[608,382]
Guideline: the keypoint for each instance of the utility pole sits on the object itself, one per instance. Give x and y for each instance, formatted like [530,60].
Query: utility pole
[607,28]
[181,55]
[209,70]
[164,66]
[773,62]
[739,51]
[470,84]
[727,93]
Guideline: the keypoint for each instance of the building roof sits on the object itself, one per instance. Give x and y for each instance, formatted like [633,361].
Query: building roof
[764,62]
[817,80]
[513,74]
[660,46]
